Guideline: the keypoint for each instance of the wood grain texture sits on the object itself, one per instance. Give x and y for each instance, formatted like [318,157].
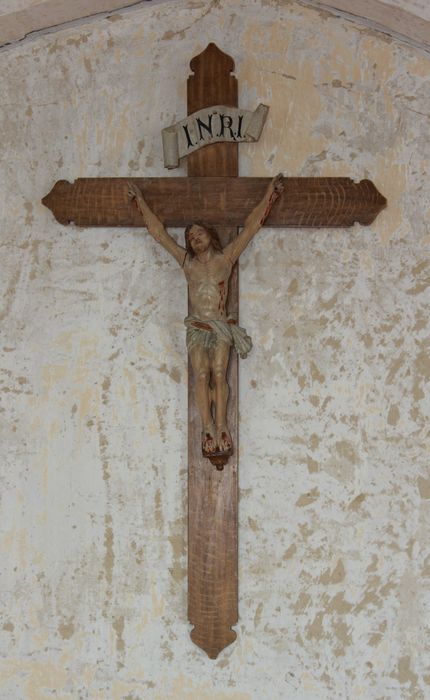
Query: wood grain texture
[220,201]
[212,494]
[211,84]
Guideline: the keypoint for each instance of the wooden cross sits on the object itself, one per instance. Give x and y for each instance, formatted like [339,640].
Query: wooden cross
[213,191]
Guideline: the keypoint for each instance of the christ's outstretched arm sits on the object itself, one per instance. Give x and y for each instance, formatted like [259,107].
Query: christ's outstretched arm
[256,219]
[155,226]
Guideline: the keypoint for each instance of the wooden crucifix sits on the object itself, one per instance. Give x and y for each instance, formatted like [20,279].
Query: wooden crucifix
[213,193]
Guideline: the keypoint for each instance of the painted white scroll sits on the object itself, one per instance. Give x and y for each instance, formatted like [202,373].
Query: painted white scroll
[211,125]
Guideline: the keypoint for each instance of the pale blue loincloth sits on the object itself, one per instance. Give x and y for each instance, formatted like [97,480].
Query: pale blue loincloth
[222,330]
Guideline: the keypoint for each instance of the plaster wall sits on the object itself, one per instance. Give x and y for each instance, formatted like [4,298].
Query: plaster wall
[334,454]
[416,7]
[8,6]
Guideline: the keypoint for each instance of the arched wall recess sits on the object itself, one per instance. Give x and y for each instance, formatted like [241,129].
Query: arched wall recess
[406,20]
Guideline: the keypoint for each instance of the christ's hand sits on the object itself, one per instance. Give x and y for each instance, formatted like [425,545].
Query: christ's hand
[134,192]
[135,195]
[276,187]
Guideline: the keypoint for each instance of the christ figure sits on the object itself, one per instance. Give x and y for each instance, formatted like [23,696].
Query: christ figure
[210,330]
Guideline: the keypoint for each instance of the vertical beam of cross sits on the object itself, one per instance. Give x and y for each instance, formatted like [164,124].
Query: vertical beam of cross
[212,494]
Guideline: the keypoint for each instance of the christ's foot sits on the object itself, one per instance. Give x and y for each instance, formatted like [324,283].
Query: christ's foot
[208,440]
[224,441]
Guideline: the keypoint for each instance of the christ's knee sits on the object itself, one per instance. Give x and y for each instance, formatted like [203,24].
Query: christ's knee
[219,377]
[202,378]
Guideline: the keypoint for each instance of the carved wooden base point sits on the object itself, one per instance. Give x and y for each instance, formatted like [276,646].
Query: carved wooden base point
[212,647]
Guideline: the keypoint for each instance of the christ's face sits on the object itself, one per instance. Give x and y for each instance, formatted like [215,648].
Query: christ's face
[199,239]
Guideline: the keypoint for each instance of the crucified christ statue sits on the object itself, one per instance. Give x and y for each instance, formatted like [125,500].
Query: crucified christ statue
[210,330]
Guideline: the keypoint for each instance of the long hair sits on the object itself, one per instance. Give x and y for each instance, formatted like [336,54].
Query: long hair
[216,243]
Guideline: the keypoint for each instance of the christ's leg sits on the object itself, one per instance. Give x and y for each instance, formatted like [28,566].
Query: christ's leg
[219,374]
[201,369]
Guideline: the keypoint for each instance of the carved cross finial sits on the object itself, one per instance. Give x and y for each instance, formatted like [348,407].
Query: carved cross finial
[212,59]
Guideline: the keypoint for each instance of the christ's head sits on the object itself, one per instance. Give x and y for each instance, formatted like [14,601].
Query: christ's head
[199,237]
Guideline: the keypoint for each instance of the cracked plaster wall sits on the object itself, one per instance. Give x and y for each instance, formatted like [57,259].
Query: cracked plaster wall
[334,474]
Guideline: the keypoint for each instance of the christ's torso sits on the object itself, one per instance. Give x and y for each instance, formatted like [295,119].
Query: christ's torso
[208,286]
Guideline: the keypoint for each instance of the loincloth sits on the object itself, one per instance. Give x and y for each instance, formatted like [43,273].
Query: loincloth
[218,330]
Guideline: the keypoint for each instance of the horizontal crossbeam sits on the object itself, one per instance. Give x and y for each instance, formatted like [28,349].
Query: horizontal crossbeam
[220,201]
